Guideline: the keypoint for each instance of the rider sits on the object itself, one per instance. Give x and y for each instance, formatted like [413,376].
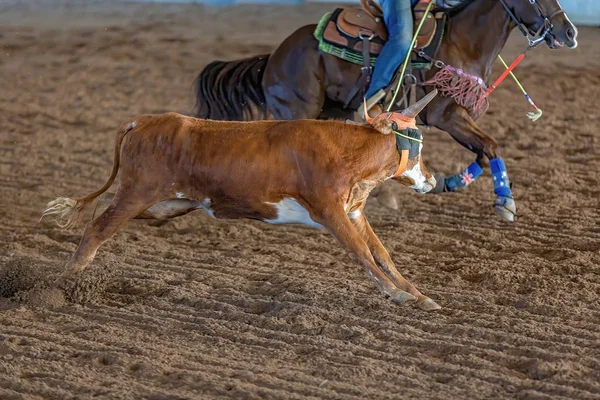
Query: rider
[398,18]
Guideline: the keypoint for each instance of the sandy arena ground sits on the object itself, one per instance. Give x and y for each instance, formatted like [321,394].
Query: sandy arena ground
[197,308]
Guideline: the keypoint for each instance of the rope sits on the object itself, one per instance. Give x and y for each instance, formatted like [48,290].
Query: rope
[534,115]
[408,137]
[407,58]
[505,73]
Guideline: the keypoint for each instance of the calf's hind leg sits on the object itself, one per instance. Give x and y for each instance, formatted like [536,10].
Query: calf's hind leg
[162,211]
[125,206]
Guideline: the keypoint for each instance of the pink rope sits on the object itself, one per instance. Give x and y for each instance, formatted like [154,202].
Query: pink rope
[467,90]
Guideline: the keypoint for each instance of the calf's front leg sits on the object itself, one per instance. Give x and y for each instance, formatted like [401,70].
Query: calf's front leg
[339,225]
[383,259]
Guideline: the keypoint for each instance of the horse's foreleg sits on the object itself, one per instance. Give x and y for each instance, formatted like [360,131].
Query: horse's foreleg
[465,131]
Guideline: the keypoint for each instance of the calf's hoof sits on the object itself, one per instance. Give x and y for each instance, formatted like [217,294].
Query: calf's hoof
[506,208]
[401,297]
[428,305]
[71,272]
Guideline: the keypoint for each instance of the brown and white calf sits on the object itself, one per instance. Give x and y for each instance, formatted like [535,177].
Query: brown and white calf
[316,173]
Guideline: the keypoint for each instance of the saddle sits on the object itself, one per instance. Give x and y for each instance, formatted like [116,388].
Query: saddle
[356,27]
[361,30]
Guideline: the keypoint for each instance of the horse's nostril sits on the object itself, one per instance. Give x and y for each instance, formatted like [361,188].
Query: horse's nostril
[571,33]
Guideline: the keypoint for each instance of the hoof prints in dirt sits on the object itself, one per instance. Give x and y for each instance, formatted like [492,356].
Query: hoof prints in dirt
[18,275]
[23,280]
[28,282]
[238,310]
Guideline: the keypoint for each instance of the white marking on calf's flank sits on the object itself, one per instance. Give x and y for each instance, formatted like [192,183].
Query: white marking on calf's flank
[289,211]
[354,214]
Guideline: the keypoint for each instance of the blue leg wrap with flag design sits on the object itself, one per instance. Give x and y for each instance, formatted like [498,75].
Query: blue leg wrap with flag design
[501,183]
[464,178]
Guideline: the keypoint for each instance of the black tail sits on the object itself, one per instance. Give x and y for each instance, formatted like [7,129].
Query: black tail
[231,90]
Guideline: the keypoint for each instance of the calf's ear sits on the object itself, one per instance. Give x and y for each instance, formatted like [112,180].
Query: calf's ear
[384,126]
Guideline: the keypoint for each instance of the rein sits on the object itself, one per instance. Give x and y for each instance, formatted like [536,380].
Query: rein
[541,34]
[544,29]
[471,99]
[535,39]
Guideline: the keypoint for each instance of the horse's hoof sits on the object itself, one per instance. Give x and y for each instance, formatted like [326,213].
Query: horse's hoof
[428,305]
[440,183]
[506,208]
[402,297]
[387,199]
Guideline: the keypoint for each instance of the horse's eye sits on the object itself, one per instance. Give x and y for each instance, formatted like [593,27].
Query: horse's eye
[394,126]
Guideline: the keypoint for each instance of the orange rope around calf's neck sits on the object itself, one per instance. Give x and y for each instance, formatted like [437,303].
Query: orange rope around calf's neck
[403,164]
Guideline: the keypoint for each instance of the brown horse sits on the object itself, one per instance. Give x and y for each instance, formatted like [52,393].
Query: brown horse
[297,81]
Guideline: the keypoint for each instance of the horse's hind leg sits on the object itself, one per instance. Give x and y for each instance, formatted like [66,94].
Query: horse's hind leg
[294,78]
[125,206]
[459,124]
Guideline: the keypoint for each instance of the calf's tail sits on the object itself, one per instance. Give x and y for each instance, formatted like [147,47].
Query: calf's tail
[66,211]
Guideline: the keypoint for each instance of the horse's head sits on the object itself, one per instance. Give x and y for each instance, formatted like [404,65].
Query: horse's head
[545,17]
[409,141]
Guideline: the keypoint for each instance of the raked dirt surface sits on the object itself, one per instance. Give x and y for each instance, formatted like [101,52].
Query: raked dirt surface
[203,309]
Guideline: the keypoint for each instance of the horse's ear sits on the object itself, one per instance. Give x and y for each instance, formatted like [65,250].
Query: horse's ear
[416,108]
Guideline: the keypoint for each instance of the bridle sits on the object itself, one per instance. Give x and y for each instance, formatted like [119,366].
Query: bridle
[534,38]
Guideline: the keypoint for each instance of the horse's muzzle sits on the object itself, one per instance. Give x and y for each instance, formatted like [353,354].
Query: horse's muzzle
[563,33]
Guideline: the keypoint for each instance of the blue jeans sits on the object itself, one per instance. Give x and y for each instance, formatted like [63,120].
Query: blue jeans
[397,15]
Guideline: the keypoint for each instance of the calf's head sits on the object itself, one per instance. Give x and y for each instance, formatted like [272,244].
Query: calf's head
[409,141]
